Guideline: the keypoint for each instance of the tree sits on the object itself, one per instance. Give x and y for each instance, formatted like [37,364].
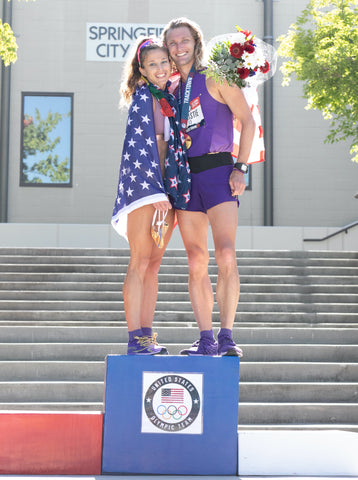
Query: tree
[8,45]
[36,139]
[322,47]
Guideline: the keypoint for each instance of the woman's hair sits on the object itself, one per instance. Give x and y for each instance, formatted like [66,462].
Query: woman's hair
[131,74]
[196,34]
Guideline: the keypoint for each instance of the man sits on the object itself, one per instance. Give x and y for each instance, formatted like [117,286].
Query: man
[207,110]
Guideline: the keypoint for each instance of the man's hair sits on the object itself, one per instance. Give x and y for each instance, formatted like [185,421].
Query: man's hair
[196,34]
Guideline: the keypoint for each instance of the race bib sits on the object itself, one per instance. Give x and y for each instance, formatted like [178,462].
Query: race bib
[196,116]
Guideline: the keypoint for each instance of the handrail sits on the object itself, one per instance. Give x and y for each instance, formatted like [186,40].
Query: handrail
[343,229]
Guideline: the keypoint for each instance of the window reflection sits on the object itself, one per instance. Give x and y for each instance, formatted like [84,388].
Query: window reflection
[46,140]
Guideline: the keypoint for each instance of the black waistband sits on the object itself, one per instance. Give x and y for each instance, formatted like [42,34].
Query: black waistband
[209,160]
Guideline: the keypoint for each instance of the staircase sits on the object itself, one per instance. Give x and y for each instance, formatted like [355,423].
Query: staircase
[61,313]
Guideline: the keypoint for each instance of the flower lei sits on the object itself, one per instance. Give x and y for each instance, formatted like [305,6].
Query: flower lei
[239,60]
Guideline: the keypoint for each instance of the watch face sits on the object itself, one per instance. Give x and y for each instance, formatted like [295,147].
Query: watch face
[242,167]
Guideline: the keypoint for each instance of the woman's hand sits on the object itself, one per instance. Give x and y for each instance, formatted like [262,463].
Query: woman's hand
[162,206]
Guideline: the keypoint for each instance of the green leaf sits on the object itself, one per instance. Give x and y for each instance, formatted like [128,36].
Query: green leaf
[321,49]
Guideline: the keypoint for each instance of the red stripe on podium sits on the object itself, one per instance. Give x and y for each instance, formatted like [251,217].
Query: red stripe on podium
[50,443]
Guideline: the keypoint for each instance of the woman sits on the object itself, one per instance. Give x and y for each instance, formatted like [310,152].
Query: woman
[153,181]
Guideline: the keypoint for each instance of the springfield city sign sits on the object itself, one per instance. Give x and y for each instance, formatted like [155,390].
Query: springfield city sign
[111,42]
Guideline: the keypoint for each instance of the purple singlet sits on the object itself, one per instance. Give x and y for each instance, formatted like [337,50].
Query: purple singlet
[217,133]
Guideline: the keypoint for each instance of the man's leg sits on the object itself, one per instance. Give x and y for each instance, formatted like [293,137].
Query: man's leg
[223,220]
[194,231]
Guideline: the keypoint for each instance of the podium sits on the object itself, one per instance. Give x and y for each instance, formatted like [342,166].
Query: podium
[171,415]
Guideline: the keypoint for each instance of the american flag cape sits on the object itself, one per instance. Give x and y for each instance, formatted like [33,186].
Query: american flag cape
[140,180]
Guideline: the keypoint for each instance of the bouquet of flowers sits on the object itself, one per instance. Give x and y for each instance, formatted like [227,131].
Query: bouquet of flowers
[240,58]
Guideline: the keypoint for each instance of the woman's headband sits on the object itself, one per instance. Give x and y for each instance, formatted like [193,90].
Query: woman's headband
[142,45]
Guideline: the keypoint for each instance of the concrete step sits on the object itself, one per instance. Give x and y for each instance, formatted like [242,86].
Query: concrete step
[178,324]
[349,427]
[92,391]
[115,252]
[250,278]
[273,270]
[166,335]
[176,296]
[87,316]
[252,352]
[176,287]
[54,391]
[298,371]
[183,306]
[256,413]
[61,370]
[52,406]
[312,392]
[173,252]
[179,259]
[73,251]
[92,370]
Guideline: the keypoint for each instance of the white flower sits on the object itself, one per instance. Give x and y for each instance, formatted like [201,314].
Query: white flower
[249,63]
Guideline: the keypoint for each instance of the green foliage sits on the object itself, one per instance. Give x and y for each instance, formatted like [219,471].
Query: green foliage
[8,45]
[36,140]
[222,66]
[322,47]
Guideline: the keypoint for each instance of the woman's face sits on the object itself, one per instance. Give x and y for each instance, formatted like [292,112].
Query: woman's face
[156,67]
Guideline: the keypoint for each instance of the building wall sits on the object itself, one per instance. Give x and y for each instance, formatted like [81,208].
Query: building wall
[314,183]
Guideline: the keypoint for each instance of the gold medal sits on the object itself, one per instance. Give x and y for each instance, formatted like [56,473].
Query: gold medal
[187,141]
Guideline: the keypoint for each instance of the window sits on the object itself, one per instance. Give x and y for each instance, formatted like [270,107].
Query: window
[46,139]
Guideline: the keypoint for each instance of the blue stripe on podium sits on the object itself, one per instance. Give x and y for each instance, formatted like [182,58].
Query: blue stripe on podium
[171,415]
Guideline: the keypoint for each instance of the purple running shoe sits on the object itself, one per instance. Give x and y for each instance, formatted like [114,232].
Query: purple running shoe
[145,345]
[228,348]
[204,346]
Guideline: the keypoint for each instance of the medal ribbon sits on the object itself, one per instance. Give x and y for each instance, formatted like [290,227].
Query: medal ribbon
[184,103]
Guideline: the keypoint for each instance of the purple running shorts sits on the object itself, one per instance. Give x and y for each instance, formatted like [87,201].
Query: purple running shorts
[210,188]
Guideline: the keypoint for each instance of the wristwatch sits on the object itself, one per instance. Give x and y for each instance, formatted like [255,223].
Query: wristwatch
[242,167]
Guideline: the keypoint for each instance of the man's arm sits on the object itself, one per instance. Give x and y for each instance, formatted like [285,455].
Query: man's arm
[235,100]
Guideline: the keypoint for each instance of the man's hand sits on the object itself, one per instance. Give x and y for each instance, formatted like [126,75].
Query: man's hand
[237,182]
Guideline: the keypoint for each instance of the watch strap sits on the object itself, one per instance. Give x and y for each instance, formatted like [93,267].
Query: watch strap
[242,167]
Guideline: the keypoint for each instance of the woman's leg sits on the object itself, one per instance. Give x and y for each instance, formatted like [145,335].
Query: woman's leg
[141,283]
[150,283]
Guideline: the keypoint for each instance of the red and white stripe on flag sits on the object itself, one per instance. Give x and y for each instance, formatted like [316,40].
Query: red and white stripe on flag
[257,153]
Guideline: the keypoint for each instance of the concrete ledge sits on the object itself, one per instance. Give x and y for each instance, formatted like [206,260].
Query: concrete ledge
[104,236]
[304,453]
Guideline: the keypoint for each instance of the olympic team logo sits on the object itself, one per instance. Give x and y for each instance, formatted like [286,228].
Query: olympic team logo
[172,403]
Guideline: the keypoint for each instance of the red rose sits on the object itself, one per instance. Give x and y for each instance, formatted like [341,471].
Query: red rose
[249,48]
[236,50]
[243,72]
[265,68]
